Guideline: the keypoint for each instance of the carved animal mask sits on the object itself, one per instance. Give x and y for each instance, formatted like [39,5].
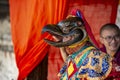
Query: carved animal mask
[69,31]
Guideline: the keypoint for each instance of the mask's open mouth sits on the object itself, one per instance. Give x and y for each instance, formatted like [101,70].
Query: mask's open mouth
[73,37]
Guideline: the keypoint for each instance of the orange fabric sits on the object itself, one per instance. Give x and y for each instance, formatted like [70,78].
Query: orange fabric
[28,18]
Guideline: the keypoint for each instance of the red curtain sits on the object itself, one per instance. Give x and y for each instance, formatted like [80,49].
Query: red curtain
[28,17]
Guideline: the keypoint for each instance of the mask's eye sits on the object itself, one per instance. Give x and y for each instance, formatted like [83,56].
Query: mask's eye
[67,24]
[77,24]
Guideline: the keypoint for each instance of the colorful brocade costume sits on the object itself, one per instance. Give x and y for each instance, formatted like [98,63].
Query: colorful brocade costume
[88,63]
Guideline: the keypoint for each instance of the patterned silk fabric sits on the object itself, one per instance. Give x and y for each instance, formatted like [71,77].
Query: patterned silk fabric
[88,63]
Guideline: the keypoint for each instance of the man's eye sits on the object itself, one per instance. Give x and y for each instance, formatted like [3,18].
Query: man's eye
[109,37]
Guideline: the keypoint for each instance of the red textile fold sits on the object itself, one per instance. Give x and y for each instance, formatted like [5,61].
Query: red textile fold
[28,17]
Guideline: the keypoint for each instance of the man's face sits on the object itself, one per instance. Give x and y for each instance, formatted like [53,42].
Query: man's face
[111,39]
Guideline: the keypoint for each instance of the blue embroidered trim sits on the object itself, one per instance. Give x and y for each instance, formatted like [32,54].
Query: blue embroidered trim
[93,73]
[94,61]
[63,69]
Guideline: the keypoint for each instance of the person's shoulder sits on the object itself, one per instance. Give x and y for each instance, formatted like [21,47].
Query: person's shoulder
[99,63]
[100,54]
